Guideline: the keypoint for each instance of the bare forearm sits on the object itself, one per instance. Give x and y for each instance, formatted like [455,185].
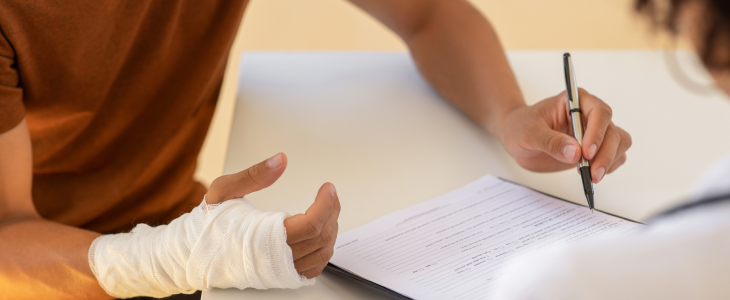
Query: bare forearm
[458,53]
[40,259]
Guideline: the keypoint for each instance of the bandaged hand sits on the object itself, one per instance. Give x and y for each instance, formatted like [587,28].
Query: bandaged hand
[225,242]
[311,235]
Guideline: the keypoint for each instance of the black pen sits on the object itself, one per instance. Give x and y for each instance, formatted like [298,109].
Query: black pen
[574,104]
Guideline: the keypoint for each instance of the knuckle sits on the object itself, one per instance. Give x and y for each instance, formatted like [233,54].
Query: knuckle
[617,164]
[626,137]
[611,154]
[326,254]
[254,172]
[313,228]
[562,97]
[610,158]
[327,236]
[616,134]
[600,135]
[606,111]
[585,95]
[552,143]
[247,176]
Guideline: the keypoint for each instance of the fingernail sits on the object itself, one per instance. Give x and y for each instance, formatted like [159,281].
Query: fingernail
[599,174]
[592,150]
[332,190]
[274,161]
[569,152]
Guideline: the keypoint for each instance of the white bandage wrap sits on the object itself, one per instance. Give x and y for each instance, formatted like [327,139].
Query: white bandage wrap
[228,245]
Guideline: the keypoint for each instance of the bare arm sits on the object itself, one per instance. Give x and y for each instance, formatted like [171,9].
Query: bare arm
[457,51]
[459,54]
[39,259]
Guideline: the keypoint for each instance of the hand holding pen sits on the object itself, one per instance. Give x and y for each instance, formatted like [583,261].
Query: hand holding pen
[540,138]
[584,166]
[578,118]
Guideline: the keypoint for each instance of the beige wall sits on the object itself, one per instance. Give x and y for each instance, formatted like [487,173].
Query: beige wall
[293,25]
[522,24]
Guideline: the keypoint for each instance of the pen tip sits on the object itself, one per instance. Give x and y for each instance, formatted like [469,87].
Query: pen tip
[589,197]
[591,210]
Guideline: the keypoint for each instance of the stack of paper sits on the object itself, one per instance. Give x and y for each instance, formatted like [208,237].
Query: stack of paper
[455,246]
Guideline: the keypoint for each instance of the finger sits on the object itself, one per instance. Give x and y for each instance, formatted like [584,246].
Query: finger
[255,178]
[606,154]
[625,143]
[619,162]
[309,225]
[327,237]
[309,246]
[314,272]
[314,259]
[558,145]
[623,146]
[596,117]
[542,163]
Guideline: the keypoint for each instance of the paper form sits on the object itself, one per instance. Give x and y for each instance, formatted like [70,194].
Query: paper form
[455,246]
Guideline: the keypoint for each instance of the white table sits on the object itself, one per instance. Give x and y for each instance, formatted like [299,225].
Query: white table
[369,123]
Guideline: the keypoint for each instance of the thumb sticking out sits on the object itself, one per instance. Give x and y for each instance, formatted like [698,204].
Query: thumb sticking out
[255,178]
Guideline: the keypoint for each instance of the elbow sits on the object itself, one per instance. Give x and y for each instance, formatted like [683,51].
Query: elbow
[418,20]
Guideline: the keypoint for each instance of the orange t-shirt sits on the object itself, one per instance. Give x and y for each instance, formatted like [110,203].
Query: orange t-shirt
[118,96]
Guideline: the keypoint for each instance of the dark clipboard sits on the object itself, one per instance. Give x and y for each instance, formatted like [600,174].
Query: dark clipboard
[381,290]
[331,268]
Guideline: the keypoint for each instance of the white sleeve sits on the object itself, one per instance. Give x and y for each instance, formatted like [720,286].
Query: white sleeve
[231,244]
[675,260]
[543,275]
[714,180]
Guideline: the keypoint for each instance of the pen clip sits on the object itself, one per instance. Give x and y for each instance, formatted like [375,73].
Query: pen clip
[566,68]
[570,83]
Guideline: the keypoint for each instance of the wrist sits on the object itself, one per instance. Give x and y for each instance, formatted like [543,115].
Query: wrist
[496,123]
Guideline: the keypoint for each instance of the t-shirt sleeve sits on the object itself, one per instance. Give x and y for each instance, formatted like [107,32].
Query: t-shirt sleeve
[11,94]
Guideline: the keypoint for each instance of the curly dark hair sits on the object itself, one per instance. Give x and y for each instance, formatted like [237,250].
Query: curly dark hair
[715,26]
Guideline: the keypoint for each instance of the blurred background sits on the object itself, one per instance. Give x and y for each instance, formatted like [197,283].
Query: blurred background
[337,25]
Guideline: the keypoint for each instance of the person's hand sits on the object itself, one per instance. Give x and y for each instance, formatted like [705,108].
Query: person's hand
[540,137]
[311,235]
